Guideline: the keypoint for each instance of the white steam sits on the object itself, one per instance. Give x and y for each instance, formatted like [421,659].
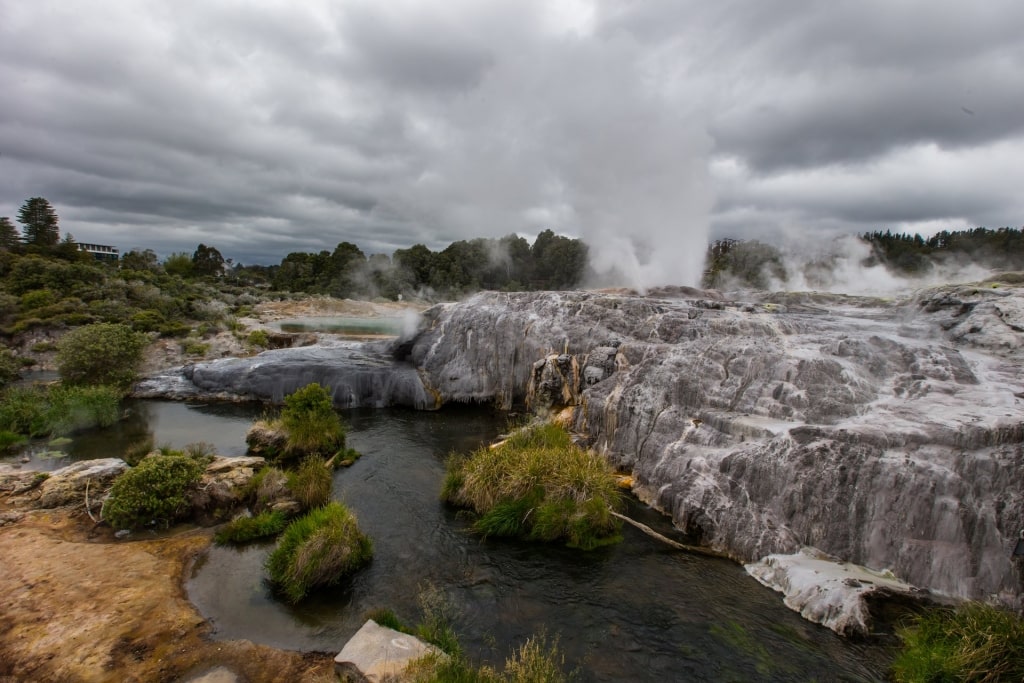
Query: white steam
[581,134]
[845,266]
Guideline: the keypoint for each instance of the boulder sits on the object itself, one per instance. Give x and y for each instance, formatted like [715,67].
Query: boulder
[67,485]
[378,653]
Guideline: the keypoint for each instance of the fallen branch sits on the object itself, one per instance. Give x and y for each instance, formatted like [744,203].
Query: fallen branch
[665,539]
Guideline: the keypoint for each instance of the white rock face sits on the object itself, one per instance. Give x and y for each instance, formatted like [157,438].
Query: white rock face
[887,433]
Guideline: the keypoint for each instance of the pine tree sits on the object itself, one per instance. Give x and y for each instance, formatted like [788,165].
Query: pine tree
[40,221]
[9,237]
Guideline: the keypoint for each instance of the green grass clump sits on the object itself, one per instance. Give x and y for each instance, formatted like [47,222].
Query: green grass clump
[312,425]
[153,492]
[258,338]
[319,549]
[539,485]
[246,529]
[311,483]
[975,642]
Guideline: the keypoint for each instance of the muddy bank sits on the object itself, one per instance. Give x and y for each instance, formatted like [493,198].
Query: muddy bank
[80,605]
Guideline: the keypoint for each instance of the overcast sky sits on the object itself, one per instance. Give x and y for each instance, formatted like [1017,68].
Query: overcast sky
[643,126]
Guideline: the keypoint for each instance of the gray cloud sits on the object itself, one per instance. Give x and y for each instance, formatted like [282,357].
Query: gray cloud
[267,127]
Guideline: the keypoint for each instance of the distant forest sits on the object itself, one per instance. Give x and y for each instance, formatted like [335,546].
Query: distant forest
[740,263]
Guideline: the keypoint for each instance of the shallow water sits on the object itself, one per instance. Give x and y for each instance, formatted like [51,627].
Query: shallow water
[636,611]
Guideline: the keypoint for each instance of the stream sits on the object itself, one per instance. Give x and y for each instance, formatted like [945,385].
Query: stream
[635,611]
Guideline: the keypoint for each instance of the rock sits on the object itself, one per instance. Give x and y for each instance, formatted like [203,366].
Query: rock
[379,653]
[66,486]
[827,591]
[262,439]
[10,517]
[223,482]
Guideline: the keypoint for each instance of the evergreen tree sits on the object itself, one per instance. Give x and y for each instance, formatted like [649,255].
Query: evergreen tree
[40,221]
[207,261]
[9,237]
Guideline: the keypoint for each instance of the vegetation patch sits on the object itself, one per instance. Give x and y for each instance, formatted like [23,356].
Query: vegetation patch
[308,426]
[975,642]
[59,410]
[152,492]
[246,529]
[311,483]
[102,353]
[538,485]
[319,549]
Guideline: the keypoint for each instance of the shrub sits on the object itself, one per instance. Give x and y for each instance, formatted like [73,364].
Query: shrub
[194,347]
[311,483]
[259,338]
[24,410]
[312,425]
[148,320]
[10,366]
[538,485]
[975,642]
[319,549]
[246,529]
[102,353]
[152,492]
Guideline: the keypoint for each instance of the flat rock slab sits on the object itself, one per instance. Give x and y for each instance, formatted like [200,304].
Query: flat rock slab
[378,652]
[827,591]
[219,675]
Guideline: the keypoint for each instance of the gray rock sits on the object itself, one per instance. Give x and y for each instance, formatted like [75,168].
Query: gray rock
[67,485]
[379,653]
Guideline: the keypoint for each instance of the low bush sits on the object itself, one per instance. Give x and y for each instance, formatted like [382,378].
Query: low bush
[153,492]
[194,347]
[102,353]
[311,483]
[538,485]
[259,338]
[246,529]
[975,642]
[319,549]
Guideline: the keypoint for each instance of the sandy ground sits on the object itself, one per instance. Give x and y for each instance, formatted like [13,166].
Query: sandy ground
[79,605]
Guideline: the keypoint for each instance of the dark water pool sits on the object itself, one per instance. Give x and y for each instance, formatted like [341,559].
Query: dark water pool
[636,611]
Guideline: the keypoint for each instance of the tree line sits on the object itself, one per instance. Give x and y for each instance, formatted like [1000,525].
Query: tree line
[508,263]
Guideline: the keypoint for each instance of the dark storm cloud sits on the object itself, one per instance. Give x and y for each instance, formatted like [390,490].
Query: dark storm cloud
[268,127]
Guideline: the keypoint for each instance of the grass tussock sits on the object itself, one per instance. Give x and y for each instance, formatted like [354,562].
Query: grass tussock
[539,485]
[247,529]
[975,642]
[311,483]
[538,660]
[319,549]
[265,487]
